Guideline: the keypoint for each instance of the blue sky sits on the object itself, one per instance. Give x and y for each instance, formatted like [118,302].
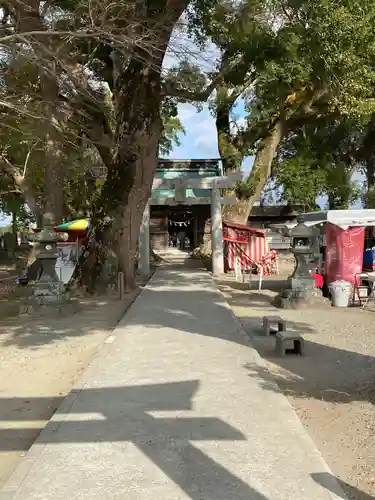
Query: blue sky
[200,141]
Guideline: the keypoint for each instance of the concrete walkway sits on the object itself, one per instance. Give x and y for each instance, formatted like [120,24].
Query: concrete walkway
[175,406]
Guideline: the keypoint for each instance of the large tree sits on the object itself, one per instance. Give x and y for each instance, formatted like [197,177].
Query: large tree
[292,63]
[79,51]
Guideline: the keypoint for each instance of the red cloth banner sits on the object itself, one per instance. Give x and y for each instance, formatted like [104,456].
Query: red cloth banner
[344,252]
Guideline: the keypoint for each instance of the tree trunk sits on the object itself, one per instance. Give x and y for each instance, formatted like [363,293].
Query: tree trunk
[230,156]
[30,19]
[54,168]
[262,167]
[128,185]
[21,183]
[133,211]
[137,99]
[14,224]
[370,173]
[54,178]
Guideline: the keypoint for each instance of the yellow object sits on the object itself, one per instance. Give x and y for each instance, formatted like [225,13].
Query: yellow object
[74,225]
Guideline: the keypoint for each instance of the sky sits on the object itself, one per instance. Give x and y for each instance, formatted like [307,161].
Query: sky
[200,141]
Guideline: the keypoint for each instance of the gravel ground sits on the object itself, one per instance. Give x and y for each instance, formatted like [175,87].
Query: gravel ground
[332,388]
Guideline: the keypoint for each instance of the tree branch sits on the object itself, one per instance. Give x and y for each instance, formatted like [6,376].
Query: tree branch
[171,89]
[20,184]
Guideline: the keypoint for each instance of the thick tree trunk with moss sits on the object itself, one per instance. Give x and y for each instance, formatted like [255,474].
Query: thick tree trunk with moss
[262,167]
[132,162]
[128,185]
[138,197]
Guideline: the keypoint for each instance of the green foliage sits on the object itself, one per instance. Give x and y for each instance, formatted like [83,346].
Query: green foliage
[369,198]
[12,204]
[301,180]
[319,160]
[172,127]
[309,63]
[187,76]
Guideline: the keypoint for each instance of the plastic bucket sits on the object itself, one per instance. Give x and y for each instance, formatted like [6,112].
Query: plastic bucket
[341,292]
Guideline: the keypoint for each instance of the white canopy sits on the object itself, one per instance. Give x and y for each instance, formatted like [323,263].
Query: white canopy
[341,218]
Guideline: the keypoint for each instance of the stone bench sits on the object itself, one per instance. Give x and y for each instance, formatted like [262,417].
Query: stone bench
[270,321]
[289,343]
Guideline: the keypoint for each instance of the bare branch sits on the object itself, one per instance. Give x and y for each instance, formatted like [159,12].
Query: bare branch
[20,183]
[27,159]
[171,89]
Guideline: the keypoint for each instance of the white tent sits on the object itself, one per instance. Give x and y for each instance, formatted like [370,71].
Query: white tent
[341,218]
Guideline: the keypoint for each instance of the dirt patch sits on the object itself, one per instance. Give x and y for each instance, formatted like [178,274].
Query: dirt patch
[332,388]
[40,359]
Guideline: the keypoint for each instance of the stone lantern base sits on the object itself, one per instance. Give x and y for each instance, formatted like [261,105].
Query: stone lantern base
[49,292]
[301,293]
[37,308]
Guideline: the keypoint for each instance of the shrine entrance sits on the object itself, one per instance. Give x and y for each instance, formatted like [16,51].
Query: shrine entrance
[181,225]
[176,202]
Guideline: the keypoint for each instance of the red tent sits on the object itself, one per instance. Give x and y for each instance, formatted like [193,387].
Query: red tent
[249,243]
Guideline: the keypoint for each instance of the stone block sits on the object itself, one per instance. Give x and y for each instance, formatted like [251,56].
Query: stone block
[270,321]
[289,343]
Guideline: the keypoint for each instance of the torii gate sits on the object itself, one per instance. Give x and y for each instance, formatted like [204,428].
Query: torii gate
[215,184]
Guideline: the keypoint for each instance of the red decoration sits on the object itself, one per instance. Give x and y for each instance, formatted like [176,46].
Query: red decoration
[344,252]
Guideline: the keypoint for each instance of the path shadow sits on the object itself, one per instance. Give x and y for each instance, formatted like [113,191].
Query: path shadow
[334,374]
[119,415]
[325,372]
[337,487]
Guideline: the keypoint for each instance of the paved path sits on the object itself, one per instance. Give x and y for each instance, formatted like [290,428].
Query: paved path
[171,409]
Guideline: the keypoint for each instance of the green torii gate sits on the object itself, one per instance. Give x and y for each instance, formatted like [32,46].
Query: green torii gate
[216,185]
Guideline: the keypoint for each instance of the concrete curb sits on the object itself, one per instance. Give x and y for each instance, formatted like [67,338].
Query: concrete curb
[335,489]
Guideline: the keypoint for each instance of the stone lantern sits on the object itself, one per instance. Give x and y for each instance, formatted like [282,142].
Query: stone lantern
[301,290]
[48,288]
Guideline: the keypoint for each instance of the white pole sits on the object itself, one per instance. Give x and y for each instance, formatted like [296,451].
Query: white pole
[260,278]
[237,267]
[216,233]
[144,243]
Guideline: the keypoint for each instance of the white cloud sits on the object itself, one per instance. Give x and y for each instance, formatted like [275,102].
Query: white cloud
[187,112]
[200,139]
